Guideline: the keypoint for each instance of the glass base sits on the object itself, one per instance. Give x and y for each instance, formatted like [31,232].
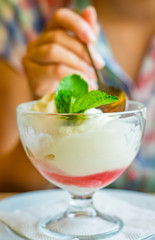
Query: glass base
[81,223]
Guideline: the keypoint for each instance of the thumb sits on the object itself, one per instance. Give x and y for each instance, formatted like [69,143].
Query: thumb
[90,15]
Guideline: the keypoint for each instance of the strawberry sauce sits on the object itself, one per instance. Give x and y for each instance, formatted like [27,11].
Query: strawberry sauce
[93,181]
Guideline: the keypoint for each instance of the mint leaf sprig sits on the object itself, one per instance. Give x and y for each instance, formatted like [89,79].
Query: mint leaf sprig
[73,96]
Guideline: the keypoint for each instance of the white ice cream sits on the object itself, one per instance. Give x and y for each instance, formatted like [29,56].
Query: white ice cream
[99,144]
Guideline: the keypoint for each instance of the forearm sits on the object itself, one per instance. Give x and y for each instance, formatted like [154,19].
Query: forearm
[13,90]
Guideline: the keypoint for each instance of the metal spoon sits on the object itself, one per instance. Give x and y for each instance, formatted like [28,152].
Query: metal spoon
[117,106]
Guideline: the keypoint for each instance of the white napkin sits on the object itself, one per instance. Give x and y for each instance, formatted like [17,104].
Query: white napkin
[138,222]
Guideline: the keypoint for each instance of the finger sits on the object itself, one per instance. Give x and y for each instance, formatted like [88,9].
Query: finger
[65,18]
[100,63]
[90,15]
[45,79]
[55,53]
[62,38]
[73,44]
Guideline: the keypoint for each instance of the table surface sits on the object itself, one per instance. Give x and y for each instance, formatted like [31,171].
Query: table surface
[5,195]
[26,200]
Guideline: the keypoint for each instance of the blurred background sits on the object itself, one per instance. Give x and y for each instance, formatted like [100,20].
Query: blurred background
[126,41]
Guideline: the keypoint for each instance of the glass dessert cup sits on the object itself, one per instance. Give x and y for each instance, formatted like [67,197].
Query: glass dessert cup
[81,153]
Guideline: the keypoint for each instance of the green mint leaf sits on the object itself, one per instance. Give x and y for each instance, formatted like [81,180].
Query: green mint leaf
[69,90]
[72,96]
[92,99]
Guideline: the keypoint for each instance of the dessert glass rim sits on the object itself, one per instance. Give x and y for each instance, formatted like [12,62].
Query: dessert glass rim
[141,107]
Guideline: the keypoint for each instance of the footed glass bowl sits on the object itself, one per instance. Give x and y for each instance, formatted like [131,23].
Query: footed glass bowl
[81,153]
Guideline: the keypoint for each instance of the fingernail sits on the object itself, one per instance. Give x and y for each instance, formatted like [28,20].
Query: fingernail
[88,36]
[99,61]
[91,36]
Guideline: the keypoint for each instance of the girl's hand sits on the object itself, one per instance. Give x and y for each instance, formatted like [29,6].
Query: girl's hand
[60,51]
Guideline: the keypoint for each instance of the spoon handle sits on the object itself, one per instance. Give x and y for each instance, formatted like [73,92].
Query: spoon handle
[117,106]
[98,74]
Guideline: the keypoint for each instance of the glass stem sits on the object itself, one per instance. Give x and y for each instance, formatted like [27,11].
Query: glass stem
[81,206]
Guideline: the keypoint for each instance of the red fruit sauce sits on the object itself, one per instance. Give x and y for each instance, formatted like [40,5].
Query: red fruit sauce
[92,181]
